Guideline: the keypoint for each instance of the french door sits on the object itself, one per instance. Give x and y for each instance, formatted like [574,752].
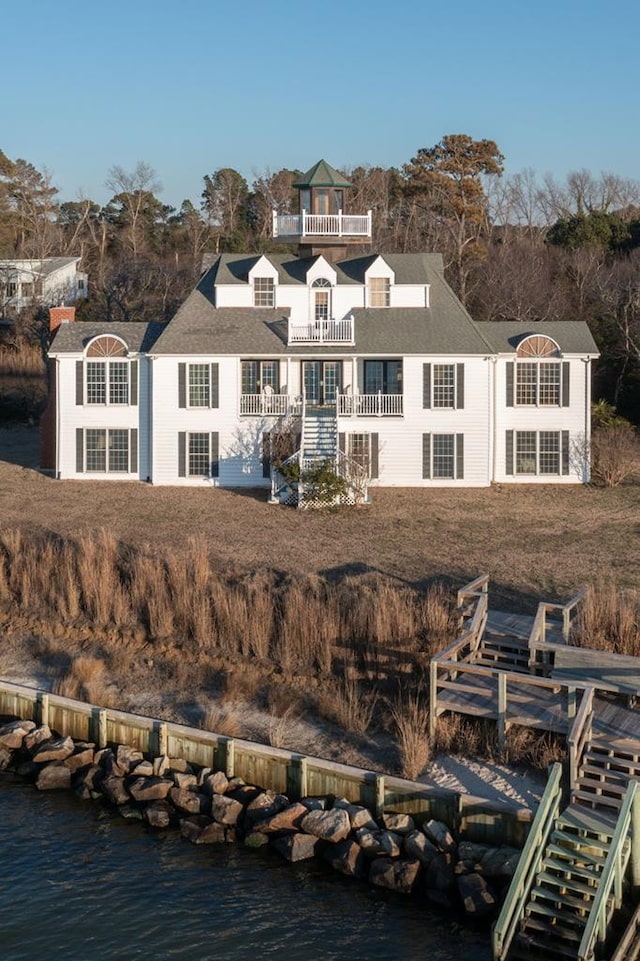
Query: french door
[322,381]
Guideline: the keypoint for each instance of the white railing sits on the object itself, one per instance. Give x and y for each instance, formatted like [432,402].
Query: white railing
[370,405]
[269,405]
[323,332]
[322,225]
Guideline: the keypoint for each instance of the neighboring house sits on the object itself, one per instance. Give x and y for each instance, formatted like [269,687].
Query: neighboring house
[370,361]
[49,282]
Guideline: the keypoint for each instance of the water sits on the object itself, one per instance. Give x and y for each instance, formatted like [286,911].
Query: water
[77,882]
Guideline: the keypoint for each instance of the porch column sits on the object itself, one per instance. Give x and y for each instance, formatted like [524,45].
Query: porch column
[354,376]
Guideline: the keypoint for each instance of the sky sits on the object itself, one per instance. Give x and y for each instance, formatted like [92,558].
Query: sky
[189,86]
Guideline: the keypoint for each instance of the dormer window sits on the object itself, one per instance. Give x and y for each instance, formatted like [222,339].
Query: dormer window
[321,299]
[264,294]
[379,292]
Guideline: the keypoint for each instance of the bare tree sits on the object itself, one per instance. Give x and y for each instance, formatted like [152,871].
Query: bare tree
[133,189]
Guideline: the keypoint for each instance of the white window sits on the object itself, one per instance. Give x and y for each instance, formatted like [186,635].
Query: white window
[444,385]
[264,292]
[321,299]
[256,375]
[198,459]
[199,385]
[106,451]
[443,454]
[379,292]
[538,383]
[537,452]
[107,382]
[359,449]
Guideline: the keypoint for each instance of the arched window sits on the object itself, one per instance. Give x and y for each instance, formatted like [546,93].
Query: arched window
[107,372]
[539,372]
[321,298]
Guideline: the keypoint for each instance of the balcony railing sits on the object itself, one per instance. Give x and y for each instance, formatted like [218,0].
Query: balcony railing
[269,405]
[370,405]
[322,332]
[322,225]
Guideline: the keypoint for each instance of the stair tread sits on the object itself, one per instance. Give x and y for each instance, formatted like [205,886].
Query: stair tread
[601,799]
[571,884]
[582,856]
[577,816]
[569,867]
[545,894]
[570,926]
[540,941]
[604,772]
[602,786]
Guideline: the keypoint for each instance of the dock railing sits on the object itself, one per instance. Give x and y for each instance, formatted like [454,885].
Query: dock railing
[579,736]
[528,865]
[625,849]
[549,617]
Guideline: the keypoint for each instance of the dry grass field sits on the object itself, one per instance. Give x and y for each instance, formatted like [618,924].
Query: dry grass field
[536,542]
[312,630]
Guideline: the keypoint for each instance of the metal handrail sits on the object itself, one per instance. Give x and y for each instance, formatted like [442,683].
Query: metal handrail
[528,865]
[612,876]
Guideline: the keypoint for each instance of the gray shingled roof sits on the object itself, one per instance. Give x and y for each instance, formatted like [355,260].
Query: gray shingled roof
[41,267]
[572,336]
[74,337]
[408,268]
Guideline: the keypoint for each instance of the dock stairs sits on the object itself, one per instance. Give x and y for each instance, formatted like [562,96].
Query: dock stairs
[578,877]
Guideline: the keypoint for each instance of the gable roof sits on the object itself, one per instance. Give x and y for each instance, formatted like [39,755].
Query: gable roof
[321,174]
[408,268]
[572,336]
[73,338]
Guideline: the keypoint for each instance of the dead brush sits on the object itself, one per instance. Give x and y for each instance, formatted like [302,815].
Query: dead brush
[151,596]
[103,597]
[279,725]
[609,620]
[410,719]
[26,361]
[349,706]
[458,735]
[242,684]
[221,720]
[532,748]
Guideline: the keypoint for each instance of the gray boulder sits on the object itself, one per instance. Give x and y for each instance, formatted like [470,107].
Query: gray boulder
[296,847]
[359,816]
[215,782]
[394,873]
[159,814]
[440,835]
[114,790]
[263,807]
[225,810]
[149,788]
[440,880]
[289,819]
[54,777]
[189,801]
[13,734]
[348,858]
[476,897]
[56,749]
[399,823]
[82,756]
[331,825]
[417,845]
[36,736]
[127,757]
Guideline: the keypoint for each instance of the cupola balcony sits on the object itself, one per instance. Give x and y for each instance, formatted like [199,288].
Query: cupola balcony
[309,227]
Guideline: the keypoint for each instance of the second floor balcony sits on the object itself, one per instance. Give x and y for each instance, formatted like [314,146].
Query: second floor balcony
[322,332]
[305,225]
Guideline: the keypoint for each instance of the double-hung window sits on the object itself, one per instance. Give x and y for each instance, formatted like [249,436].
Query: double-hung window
[101,450]
[107,381]
[537,453]
[379,292]
[264,294]
[443,386]
[443,456]
[199,385]
[538,384]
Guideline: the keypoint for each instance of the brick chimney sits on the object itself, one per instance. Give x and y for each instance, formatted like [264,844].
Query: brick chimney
[60,315]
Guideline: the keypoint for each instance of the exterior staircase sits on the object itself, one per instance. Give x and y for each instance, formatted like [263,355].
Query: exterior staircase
[573,876]
[319,435]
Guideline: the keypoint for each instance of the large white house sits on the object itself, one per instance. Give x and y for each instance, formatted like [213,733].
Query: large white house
[369,364]
[50,282]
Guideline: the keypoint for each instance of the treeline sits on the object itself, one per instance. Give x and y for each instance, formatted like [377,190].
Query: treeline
[519,247]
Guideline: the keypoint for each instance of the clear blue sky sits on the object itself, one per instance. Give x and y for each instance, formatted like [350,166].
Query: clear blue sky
[189,86]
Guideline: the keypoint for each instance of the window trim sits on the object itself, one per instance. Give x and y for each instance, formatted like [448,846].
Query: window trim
[562,439]
[260,385]
[268,292]
[457,456]
[130,452]
[105,364]
[384,292]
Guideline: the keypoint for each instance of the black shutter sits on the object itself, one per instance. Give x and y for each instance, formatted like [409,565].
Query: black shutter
[426,385]
[133,386]
[215,385]
[459,456]
[133,451]
[565,451]
[342,442]
[79,382]
[426,456]
[510,371]
[509,453]
[182,453]
[215,454]
[182,387]
[565,384]
[375,460]
[266,454]
[79,450]
[460,386]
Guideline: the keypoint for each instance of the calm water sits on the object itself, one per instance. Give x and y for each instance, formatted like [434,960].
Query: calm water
[78,883]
